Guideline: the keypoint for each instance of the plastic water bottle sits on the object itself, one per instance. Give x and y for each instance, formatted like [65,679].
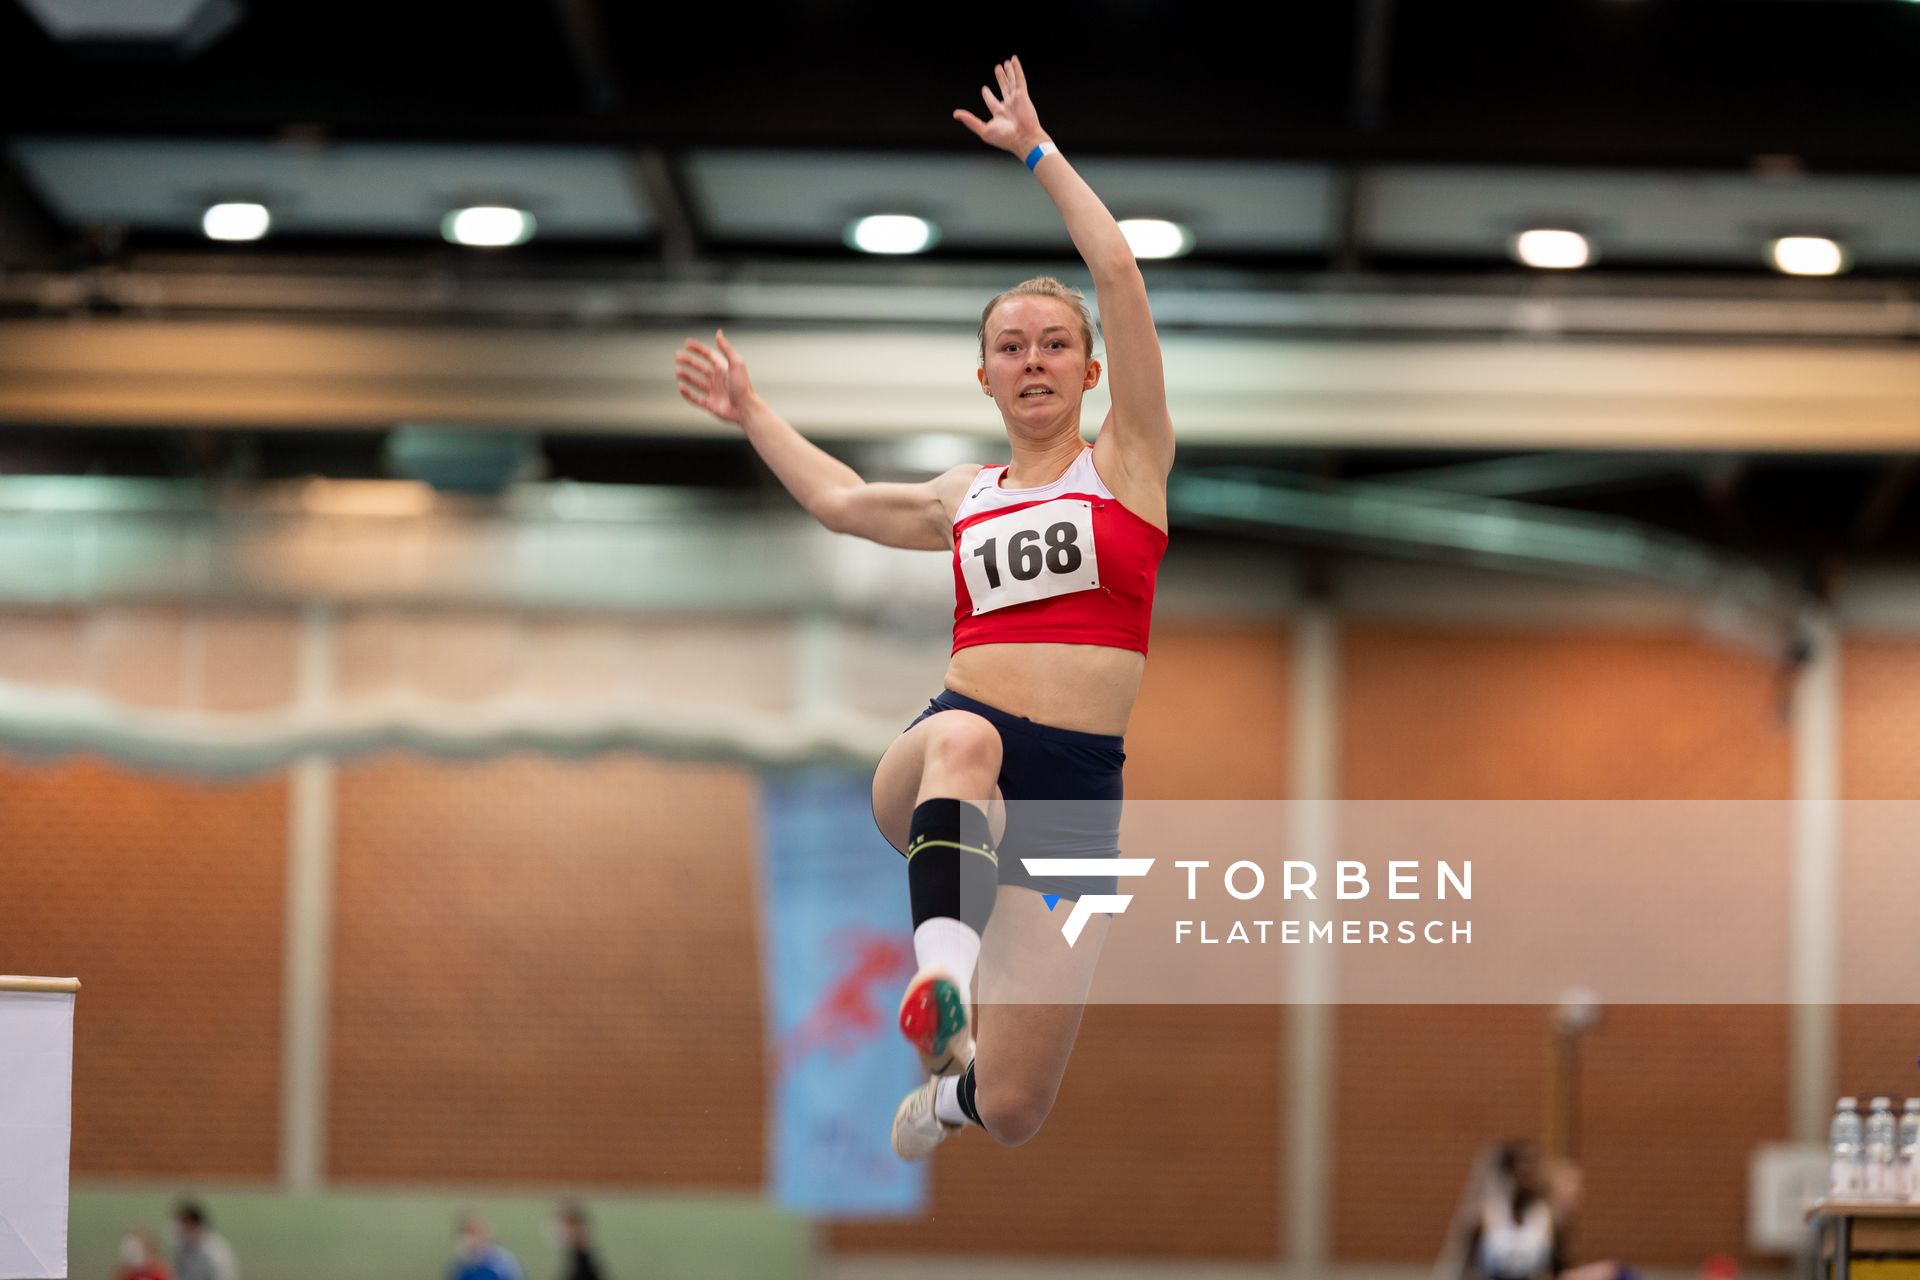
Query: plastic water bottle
[1879,1151]
[1845,1169]
[1907,1151]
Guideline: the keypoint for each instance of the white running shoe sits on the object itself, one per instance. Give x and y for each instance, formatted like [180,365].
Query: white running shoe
[936,1021]
[916,1129]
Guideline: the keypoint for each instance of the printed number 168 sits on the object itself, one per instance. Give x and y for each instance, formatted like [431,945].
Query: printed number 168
[1024,559]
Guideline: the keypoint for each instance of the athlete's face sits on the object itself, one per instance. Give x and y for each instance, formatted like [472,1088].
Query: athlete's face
[1038,366]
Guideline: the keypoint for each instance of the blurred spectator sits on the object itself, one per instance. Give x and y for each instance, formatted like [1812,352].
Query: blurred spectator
[576,1245]
[480,1258]
[199,1252]
[1522,1226]
[140,1258]
[1516,1237]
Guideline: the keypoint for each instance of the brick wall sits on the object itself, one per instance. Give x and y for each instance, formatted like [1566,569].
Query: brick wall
[1880,716]
[1421,1090]
[164,897]
[1880,761]
[545,971]
[1485,714]
[469,893]
[1672,1098]
[1213,717]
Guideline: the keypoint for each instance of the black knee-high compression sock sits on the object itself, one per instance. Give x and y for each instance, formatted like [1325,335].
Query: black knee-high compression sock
[952,869]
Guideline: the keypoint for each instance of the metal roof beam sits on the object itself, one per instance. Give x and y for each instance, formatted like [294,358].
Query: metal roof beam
[660,182]
[1488,532]
[928,293]
[1540,475]
[905,381]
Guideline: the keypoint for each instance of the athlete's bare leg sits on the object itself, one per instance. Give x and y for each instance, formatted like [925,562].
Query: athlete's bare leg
[952,758]
[954,755]
[1020,1062]
[1022,1047]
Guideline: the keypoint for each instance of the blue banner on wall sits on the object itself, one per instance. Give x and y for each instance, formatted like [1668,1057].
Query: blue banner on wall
[838,945]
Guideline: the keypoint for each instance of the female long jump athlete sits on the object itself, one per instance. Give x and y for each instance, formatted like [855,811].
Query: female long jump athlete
[1054,558]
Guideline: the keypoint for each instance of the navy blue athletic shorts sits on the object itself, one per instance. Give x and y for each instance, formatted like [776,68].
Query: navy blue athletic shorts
[1039,762]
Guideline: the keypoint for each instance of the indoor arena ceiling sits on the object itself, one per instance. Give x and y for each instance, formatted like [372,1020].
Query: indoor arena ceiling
[1350,169]
[1678,134]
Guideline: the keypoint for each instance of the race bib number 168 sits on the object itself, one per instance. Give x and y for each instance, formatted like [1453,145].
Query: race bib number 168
[1031,554]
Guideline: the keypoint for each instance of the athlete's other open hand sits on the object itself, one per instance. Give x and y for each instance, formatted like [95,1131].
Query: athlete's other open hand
[714,380]
[1013,125]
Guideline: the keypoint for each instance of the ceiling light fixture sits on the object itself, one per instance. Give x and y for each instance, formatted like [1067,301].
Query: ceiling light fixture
[1156,237]
[488,226]
[236,220]
[1807,256]
[891,233]
[1552,249]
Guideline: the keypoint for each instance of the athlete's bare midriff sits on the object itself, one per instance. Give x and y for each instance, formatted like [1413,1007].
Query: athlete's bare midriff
[1085,687]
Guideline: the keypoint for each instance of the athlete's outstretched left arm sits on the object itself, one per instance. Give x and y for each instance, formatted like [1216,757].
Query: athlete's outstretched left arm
[1139,419]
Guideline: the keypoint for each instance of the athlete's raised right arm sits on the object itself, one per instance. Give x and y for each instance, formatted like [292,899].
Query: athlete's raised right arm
[915,516]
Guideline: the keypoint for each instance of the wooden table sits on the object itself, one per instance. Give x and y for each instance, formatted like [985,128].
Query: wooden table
[1861,1229]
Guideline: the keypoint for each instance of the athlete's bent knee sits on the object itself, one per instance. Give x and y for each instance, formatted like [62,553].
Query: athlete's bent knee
[1013,1116]
[962,742]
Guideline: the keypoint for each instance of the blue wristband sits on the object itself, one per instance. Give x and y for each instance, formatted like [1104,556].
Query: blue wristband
[1039,153]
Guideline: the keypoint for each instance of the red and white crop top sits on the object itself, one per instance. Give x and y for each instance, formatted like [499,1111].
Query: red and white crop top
[1065,563]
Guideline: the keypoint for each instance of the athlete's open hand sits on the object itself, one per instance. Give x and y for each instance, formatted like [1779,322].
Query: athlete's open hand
[714,380]
[1012,125]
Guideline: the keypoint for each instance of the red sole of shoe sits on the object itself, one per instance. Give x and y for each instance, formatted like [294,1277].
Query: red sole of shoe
[931,1016]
